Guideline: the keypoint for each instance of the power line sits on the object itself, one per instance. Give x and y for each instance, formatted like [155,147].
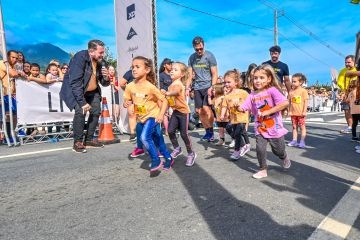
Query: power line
[248,25]
[217,16]
[302,27]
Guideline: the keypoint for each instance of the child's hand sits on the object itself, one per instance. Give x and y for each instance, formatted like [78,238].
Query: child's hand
[264,113]
[159,119]
[126,104]
[163,91]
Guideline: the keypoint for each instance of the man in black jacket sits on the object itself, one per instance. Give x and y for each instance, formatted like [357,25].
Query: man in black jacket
[81,91]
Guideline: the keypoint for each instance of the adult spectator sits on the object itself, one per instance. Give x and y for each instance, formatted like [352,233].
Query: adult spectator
[165,81]
[203,64]
[8,84]
[281,69]
[63,69]
[80,91]
[126,79]
[26,68]
[345,77]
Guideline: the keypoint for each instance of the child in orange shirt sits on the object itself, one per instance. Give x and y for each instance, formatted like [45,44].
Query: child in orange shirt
[180,116]
[143,93]
[238,119]
[219,94]
[298,98]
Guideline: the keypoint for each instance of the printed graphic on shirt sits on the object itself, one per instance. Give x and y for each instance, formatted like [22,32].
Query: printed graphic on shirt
[264,122]
[296,99]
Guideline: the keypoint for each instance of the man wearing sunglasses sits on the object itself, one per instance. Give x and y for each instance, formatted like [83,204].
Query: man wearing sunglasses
[203,73]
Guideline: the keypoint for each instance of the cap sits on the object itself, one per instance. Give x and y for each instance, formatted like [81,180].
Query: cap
[167,61]
[275,49]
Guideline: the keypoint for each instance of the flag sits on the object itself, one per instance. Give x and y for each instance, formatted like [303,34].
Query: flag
[134,31]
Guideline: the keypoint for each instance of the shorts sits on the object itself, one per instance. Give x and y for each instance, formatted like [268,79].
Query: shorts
[298,121]
[222,124]
[7,104]
[201,98]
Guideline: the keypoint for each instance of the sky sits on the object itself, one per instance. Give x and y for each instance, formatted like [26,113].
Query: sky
[314,35]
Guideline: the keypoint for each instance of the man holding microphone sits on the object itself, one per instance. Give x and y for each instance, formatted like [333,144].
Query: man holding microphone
[81,91]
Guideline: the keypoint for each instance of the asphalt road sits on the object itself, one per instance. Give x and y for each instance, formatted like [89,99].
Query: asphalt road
[49,192]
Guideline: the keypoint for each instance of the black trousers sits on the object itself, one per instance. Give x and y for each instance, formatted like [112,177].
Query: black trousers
[93,98]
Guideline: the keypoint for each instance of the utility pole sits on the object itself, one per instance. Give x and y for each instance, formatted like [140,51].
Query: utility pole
[275,27]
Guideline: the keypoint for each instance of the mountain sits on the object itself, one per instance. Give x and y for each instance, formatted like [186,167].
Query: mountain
[41,53]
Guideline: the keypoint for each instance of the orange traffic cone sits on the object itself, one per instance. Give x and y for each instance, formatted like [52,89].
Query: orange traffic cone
[106,134]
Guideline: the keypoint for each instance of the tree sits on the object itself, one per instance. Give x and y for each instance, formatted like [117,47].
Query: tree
[108,57]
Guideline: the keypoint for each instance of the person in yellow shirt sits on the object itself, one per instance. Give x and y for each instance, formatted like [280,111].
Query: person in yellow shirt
[238,119]
[143,93]
[343,81]
[180,117]
[298,98]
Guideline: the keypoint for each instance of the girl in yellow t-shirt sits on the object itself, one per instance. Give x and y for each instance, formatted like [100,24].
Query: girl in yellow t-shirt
[219,95]
[145,96]
[180,117]
[298,98]
[238,119]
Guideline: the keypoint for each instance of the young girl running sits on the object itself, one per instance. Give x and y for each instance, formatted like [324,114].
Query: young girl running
[219,93]
[298,98]
[145,96]
[266,103]
[238,119]
[180,117]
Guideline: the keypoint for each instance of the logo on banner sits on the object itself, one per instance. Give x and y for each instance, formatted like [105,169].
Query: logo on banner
[130,10]
[131,34]
[133,49]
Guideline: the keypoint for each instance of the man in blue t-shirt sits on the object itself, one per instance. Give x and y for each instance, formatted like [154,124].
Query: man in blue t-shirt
[203,74]
[281,69]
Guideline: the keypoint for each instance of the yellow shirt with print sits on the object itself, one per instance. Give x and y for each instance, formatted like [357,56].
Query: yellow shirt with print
[230,99]
[144,96]
[178,102]
[218,106]
[297,99]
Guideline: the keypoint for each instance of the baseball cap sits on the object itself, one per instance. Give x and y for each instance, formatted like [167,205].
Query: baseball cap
[167,61]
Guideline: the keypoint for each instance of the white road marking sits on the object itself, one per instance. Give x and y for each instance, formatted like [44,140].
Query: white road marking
[35,152]
[338,223]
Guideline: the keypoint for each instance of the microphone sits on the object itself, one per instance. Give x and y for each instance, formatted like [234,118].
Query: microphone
[104,66]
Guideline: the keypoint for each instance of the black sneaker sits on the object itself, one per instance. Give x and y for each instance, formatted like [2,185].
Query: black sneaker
[79,147]
[94,144]
[132,138]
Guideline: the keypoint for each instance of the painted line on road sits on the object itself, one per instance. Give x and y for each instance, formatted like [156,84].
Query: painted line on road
[338,223]
[35,152]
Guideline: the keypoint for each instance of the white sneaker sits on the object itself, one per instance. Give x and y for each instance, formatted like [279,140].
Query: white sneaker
[244,150]
[357,147]
[232,144]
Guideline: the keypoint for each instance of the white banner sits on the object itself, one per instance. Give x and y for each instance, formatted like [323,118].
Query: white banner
[134,31]
[134,37]
[40,103]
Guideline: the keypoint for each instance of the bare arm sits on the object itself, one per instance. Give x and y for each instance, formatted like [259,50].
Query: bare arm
[40,79]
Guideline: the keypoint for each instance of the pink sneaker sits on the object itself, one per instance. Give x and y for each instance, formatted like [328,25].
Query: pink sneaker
[137,152]
[260,174]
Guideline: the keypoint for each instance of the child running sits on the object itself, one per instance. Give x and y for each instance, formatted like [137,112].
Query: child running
[298,98]
[145,96]
[219,94]
[238,119]
[180,117]
[266,103]
[354,101]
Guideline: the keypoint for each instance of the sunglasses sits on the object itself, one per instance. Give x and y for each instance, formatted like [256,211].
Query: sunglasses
[198,49]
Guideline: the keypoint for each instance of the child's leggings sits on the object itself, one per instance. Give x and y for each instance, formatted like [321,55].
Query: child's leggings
[179,120]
